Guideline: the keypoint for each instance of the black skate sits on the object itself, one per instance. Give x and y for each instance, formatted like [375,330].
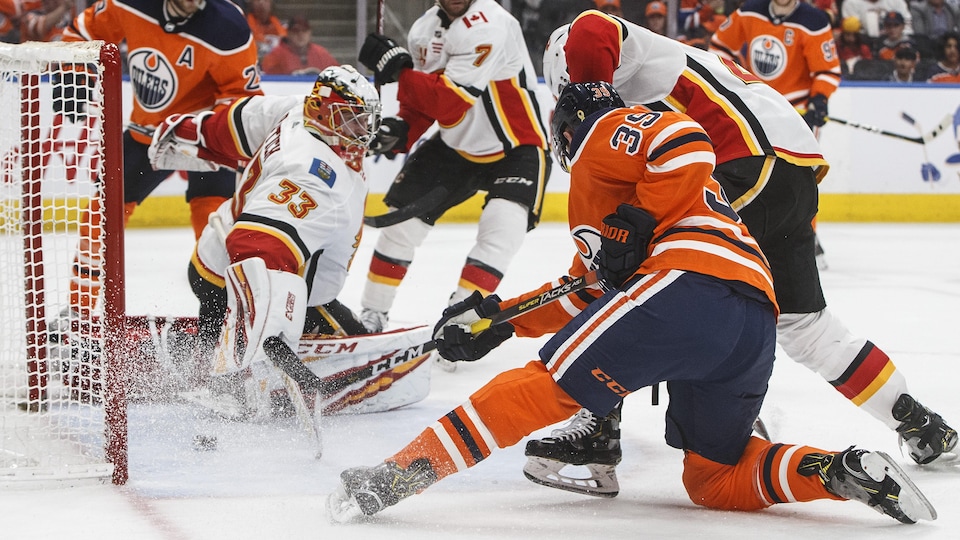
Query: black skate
[924,432]
[364,491]
[872,478]
[586,441]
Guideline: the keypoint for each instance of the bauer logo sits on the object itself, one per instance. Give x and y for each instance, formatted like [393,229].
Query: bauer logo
[768,56]
[153,79]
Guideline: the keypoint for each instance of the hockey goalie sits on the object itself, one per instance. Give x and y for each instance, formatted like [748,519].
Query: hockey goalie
[268,267]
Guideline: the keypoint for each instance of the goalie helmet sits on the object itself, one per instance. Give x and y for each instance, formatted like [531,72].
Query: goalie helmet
[577,101]
[555,74]
[343,110]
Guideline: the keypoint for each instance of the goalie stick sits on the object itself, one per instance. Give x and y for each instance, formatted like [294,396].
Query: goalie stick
[417,208]
[922,139]
[287,360]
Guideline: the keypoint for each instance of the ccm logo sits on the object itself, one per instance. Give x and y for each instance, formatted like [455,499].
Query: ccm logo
[613,385]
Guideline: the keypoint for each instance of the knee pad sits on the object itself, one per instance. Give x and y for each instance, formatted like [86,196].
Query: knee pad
[500,233]
[401,240]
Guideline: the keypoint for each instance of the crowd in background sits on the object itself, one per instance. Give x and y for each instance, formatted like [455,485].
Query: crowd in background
[878,40]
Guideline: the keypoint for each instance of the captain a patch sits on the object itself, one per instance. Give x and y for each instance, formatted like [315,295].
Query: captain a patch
[322,170]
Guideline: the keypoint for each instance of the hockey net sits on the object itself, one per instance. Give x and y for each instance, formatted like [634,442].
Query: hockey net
[62,406]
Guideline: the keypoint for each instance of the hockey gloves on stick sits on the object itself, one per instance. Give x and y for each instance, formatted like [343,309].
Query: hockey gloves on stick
[178,144]
[816,115]
[384,58]
[452,333]
[391,138]
[624,237]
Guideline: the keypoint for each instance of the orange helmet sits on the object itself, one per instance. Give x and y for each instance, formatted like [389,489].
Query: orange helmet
[343,110]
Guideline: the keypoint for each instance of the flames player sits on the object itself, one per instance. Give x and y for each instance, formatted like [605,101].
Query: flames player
[184,56]
[472,75]
[647,214]
[296,216]
[768,163]
[787,44]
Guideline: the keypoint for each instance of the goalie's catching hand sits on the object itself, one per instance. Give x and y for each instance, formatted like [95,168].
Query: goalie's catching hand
[456,342]
[178,145]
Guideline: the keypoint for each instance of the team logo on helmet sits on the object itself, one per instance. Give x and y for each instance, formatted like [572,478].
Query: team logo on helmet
[768,56]
[153,78]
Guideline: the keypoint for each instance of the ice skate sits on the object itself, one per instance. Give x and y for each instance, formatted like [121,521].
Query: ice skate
[923,432]
[374,321]
[587,441]
[365,491]
[872,478]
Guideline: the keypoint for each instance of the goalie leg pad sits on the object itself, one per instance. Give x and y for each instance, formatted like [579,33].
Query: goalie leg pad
[260,303]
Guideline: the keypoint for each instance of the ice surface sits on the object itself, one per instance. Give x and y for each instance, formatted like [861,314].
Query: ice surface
[898,285]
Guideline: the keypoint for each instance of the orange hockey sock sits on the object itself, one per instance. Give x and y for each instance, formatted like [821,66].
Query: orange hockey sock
[200,210]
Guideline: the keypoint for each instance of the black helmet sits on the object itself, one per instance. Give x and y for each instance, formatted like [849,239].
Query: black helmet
[576,102]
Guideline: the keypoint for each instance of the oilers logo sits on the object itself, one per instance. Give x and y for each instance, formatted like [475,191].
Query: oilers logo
[587,239]
[768,56]
[153,79]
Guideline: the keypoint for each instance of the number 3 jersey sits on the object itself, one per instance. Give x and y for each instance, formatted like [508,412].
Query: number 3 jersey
[296,202]
[660,162]
[473,75]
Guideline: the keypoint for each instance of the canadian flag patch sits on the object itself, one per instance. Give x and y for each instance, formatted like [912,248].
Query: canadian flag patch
[476,18]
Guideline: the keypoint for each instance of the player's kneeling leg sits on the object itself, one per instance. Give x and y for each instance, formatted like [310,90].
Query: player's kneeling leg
[261,303]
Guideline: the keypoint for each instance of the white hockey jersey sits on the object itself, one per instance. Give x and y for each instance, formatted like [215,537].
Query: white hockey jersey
[742,115]
[298,201]
[473,75]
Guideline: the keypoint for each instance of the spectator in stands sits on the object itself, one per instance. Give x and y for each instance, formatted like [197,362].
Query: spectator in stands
[47,21]
[905,66]
[297,54]
[947,69]
[700,27]
[893,36]
[870,13]
[934,18]
[851,46]
[266,27]
[611,7]
[656,17]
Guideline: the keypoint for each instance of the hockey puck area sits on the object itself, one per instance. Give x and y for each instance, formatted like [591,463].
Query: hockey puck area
[204,443]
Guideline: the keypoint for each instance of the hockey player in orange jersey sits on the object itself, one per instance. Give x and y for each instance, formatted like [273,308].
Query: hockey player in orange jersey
[688,299]
[768,163]
[789,45]
[184,56]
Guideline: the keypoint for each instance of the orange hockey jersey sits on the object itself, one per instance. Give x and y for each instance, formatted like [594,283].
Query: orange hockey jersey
[175,67]
[660,162]
[796,55]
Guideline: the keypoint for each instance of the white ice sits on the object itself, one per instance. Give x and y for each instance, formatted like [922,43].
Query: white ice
[898,285]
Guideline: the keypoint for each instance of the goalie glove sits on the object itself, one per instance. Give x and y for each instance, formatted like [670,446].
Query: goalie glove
[391,138]
[385,58]
[178,144]
[456,343]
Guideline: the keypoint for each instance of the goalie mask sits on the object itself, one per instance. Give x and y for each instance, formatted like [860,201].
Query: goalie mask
[577,101]
[343,110]
[555,74]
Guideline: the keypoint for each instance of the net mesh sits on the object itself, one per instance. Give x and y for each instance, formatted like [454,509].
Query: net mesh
[52,420]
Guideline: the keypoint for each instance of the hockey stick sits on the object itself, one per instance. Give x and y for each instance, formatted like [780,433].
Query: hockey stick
[947,121]
[417,208]
[288,361]
[928,170]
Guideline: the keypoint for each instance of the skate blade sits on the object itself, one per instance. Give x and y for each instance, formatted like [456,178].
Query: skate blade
[221,406]
[341,508]
[547,472]
[913,503]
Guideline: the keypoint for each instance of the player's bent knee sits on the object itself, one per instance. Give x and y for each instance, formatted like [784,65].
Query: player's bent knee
[715,485]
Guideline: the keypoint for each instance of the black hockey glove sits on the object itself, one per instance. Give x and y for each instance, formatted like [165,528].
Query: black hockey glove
[816,114]
[624,238]
[384,58]
[391,138]
[452,334]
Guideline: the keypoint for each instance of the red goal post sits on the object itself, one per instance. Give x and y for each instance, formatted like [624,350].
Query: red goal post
[62,400]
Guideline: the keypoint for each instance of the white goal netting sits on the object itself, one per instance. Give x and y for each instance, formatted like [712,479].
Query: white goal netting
[60,421]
